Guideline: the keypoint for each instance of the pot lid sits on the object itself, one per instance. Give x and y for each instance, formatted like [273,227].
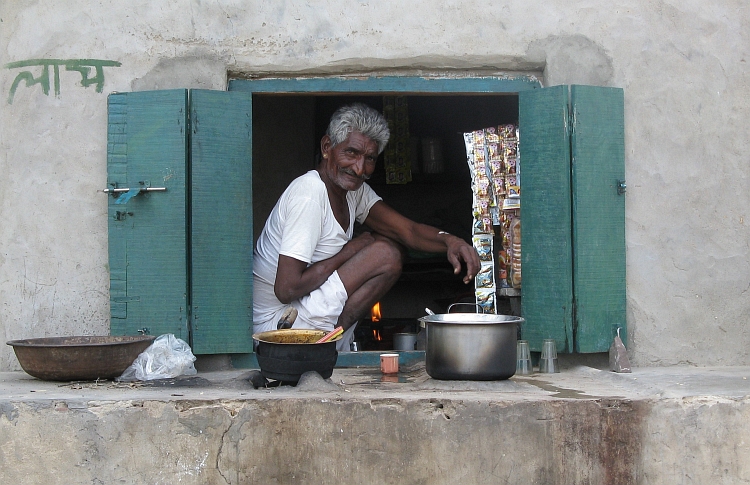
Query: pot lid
[471,318]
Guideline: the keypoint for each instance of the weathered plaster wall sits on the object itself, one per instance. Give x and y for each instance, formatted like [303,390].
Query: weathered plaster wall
[376,441]
[683,65]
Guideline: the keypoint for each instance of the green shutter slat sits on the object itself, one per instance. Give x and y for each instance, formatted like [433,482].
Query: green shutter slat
[598,162]
[547,293]
[146,145]
[116,173]
[221,222]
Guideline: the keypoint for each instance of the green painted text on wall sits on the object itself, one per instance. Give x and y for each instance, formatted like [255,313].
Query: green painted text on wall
[83,66]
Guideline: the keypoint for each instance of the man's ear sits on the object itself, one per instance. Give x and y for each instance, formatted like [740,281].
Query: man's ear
[325,146]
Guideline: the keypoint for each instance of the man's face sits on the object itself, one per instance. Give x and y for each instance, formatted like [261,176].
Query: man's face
[351,162]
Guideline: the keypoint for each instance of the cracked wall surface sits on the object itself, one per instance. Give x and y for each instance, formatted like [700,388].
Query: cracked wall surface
[683,67]
[395,440]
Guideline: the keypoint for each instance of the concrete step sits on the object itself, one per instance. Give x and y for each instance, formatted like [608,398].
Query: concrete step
[581,426]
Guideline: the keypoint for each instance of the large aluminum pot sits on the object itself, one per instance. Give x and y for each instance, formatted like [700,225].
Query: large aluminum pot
[471,346]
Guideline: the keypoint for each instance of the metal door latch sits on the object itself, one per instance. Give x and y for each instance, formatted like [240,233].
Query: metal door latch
[122,190]
[122,195]
[621,187]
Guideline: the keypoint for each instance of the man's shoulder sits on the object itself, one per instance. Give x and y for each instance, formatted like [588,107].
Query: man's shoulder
[309,181]
[307,185]
[363,194]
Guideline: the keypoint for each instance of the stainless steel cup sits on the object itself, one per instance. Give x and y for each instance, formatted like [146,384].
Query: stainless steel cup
[404,341]
[548,360]
[523,361]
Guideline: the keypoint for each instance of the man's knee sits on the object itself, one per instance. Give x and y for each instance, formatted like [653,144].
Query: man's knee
[390,254]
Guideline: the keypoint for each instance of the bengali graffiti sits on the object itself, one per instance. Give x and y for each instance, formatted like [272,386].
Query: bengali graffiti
[50,69]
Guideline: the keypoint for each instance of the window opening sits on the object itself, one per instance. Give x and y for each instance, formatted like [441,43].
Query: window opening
[287,129]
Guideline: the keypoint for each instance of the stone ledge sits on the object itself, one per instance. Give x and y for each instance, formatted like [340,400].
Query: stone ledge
[580,426]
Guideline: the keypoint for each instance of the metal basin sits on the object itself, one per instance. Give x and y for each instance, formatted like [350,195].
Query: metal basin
[80,358]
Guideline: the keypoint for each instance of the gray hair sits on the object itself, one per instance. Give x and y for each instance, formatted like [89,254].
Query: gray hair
[358,117]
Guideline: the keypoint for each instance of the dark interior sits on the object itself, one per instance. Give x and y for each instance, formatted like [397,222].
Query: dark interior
[286,135]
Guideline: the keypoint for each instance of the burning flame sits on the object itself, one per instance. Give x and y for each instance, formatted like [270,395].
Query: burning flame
[376,335]
[375,313]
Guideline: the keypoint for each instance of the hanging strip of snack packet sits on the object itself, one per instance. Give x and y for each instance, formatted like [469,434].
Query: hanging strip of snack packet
[515,252]
[493,158]
[476,158]
[485,278]
[486,300]
[483,244]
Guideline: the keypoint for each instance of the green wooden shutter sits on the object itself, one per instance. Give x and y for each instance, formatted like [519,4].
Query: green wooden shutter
[146,146]
[598,166]
[572,216]
[221,221]
[546,258]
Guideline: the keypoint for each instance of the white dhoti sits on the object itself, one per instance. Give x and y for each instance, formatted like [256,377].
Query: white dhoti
[319,310]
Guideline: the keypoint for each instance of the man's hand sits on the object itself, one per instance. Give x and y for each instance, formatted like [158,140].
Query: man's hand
[460,251]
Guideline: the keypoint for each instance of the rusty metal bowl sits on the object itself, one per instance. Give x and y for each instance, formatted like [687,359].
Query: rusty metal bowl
[81,358]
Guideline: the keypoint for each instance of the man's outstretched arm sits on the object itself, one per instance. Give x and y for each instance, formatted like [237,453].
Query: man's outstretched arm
[386,221]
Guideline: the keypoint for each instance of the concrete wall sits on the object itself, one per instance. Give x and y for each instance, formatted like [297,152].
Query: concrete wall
[683,66]
[376,441]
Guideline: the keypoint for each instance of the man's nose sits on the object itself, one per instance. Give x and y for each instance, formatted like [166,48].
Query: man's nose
[359,165]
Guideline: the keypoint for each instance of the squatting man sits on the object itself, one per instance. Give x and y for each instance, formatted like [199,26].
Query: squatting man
[307,261]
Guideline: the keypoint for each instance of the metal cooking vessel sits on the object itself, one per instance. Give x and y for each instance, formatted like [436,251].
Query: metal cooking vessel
[471,346]
[285,355]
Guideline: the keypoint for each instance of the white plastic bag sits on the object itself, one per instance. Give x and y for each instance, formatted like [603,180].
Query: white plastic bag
[165,358]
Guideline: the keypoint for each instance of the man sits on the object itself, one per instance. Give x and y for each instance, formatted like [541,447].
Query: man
[306,258]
